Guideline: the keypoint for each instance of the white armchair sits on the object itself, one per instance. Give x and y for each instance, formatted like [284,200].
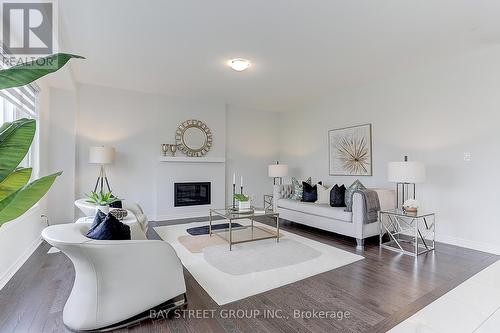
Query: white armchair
[115,280]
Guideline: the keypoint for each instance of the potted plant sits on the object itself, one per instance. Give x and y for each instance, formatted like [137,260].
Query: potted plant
[102,200]
[243,202]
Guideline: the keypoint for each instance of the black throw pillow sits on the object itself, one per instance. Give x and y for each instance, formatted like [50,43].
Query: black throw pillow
[99,217]
[116,204]
[337,196]
[309,193]
[110,229]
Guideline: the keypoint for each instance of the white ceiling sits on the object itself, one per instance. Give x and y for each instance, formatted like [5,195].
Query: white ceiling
[300,50]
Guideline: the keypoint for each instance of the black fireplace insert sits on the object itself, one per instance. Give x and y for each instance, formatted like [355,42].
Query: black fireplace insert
[191,194]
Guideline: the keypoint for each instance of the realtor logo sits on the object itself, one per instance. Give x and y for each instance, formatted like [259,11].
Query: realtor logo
[27,27]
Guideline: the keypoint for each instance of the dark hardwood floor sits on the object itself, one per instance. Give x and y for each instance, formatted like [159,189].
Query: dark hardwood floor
[378,292]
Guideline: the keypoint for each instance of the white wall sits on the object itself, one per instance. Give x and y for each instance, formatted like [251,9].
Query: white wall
[252,144]
[431,114]
[61,155]
[136,124]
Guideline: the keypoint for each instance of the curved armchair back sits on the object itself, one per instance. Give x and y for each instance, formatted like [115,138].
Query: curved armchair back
[114,280]
[139,214]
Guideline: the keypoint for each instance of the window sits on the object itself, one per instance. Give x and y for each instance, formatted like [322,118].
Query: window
[17,103]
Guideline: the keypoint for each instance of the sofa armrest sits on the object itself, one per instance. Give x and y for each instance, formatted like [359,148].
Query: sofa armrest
[358,214]
[387,199]
[281,192]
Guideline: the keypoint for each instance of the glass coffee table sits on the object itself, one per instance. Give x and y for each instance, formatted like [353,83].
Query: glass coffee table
[244,233]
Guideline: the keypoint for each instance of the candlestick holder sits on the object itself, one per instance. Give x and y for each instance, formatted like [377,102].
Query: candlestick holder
[234,192]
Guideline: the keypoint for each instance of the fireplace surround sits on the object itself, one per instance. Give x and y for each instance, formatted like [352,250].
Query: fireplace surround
[192,194]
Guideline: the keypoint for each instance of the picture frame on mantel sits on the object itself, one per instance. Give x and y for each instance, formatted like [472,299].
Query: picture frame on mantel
[350,151]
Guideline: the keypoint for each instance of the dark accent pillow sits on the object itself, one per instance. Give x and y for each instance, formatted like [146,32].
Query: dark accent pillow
[99,217]
[309,192]
[116,204]
[337,196]
[110,229]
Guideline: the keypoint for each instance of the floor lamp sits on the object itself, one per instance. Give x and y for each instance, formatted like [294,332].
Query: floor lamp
[405,174]
[277,171]
[102,156]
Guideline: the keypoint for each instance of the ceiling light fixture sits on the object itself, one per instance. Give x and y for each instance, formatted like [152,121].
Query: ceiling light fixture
[239,64]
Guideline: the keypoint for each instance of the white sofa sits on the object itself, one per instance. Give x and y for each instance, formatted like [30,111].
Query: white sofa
[334,219]
[115,280]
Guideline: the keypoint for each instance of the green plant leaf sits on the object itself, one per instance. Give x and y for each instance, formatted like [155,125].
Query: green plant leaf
[28,72]
[15,142]
[14,182]
[102,198]
[241,197]
[17,203]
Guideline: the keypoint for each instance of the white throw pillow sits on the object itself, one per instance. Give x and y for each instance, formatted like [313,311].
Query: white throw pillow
[323,194]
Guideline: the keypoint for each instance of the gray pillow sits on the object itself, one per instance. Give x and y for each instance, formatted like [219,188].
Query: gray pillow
[350,191]
[298,189]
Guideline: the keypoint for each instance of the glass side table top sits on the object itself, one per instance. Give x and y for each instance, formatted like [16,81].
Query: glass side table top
[229,213]
[402,213]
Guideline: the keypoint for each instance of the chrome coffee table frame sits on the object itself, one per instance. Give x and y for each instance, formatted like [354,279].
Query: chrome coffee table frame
[232,215]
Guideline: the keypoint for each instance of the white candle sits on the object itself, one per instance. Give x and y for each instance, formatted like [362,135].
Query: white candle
[234,178]
[241,183]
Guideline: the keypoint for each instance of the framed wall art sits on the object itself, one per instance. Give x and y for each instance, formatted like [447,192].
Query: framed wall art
[350,151]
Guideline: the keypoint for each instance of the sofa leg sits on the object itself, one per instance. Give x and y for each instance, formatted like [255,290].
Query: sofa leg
[360,243]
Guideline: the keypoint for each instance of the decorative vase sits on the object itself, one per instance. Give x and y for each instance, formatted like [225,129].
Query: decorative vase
[173,149]
[244,205]
[104,209]
[165,148]
[410,209]
[411,206]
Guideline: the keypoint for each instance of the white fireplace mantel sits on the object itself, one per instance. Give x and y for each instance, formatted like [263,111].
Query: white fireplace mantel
[179,169]
[185,159]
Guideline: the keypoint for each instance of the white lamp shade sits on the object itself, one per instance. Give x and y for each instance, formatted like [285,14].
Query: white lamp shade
[406,172]
[277,170]
[101,155]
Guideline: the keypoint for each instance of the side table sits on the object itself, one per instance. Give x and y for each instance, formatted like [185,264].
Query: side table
[409,233]
[268,201]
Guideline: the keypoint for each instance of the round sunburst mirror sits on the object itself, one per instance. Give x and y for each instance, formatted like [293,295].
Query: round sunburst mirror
[193,138]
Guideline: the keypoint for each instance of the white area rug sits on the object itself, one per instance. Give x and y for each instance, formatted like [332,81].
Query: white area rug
[266,264]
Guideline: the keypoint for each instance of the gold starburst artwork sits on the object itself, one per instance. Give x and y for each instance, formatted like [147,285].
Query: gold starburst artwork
[350,151]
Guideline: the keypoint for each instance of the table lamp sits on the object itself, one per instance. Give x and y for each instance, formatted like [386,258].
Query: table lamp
[277,171]
[405,174]
[101,155]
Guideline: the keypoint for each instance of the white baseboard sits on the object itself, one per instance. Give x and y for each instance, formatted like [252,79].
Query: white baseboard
[20,261]
[474,245]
